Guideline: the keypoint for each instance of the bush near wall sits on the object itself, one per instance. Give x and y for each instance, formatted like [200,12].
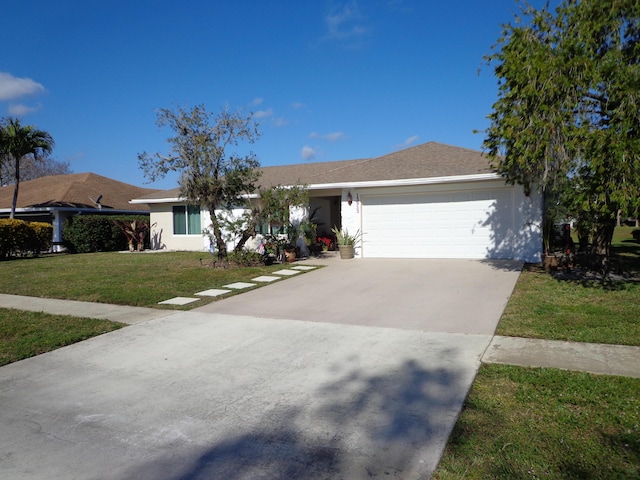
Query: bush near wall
[18,237]
[97,233]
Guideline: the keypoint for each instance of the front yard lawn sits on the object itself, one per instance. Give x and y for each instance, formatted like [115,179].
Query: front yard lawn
[25,334]
[545,307]
[138,279]
[576,307]
[545,424]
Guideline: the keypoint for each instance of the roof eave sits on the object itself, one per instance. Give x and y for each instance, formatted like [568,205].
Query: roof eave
[73,209]
[407,181]
[361,184]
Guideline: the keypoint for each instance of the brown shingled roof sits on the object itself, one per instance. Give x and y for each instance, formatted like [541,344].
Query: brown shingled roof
[75,190]
[428,160]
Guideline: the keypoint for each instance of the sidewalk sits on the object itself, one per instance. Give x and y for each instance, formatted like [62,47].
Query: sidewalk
[584,357]
[103,311]
[600,359]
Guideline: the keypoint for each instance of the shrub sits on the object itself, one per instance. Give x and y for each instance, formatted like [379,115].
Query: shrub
[245,258]
[636,234]
[18,237]
[41,237]
[97,233]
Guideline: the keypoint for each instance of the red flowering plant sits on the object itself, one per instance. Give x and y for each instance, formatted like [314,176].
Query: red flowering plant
[326,242]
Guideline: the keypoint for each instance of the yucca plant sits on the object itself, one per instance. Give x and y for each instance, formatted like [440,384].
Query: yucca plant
[343,237]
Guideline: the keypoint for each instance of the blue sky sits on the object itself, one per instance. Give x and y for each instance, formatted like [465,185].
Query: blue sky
[325,79]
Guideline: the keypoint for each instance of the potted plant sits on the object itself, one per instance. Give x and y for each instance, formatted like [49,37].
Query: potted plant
[346,241]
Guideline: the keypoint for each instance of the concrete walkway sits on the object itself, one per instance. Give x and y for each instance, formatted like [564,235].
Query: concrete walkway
[595,358]
[103,311]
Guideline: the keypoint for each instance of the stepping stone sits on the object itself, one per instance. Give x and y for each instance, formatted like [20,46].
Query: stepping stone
[303,267]
[214,292]
[265,278]
[286,272]
[179,301]
[239,285]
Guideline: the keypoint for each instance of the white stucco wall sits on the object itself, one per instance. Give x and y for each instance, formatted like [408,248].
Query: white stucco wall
[352,216]
[162,237]
[516,223]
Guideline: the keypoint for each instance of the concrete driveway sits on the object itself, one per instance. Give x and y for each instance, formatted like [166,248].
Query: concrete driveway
[232,393]
[454,296]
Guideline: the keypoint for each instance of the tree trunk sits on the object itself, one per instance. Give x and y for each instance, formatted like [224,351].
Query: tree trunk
[249,232]
[221,245]
[602,237]
[15,189]
[601,244]
[583,237]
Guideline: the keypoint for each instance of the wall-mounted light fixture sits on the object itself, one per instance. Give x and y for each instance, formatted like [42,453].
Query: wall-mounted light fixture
[349,198]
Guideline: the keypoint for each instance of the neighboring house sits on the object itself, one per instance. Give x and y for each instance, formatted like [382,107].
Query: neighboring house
[55,198]
[428,201]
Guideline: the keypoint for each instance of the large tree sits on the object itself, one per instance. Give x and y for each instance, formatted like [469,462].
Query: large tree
[273,208]
[567,118]
[210,174]
[30,169]
[20,143]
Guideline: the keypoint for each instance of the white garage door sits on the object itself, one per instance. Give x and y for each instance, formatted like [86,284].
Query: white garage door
[435,225]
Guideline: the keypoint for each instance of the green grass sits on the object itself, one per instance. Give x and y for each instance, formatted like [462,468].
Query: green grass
[544,423]
[25,334]
[578,309]
[626,251]
[121,278]
[544,307]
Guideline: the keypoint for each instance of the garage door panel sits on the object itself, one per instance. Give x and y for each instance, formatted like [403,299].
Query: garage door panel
[438,225]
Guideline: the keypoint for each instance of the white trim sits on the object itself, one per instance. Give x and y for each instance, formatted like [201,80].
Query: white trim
[178,199]
[407,181]
[136,201]
[363,184]
[74,209]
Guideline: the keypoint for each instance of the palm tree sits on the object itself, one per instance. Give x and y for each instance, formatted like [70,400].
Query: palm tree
[16,143]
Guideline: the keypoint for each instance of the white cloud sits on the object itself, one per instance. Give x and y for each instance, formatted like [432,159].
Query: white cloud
[297,105]
[19,109]
[13,87]
[308,153]
[329,137]
[334,137]
[345,22]
[256,101]
[409,141]
[280,122]
[263,113]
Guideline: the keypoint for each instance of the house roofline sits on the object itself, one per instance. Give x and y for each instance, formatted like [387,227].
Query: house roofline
[72,209]
[362,184]
[407,181]
[138,201]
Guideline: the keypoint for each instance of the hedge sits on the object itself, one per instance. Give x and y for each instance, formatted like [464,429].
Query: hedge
[18,237]
[97,233]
